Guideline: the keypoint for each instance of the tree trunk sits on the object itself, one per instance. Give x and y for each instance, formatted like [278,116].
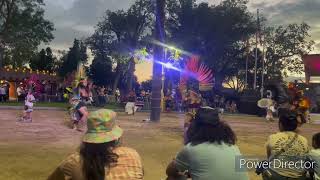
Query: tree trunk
[1,57]
[130,74]
[116,79]
[218,83]
[1,54]
[157,68]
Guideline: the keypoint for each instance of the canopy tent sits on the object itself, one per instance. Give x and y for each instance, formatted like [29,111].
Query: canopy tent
[311,66]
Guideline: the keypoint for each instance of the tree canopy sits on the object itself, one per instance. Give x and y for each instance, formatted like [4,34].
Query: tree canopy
[219,35]
[44,60]
[100,71]
[77,54]
[22,29]
[118,35]
[215,33]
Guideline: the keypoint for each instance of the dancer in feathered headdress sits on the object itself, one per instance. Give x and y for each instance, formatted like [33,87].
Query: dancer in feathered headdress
[196,70]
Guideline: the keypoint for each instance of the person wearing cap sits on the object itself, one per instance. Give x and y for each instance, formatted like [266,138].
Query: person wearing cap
[101,155]
[210,152]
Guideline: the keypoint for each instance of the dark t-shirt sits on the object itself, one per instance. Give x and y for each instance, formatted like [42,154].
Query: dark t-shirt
[131,99]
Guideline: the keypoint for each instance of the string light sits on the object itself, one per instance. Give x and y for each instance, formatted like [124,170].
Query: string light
[9,68]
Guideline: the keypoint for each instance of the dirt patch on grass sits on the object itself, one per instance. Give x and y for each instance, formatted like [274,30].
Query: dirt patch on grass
[32,150]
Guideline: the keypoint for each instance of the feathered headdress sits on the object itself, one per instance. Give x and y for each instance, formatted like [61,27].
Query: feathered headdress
[199,71]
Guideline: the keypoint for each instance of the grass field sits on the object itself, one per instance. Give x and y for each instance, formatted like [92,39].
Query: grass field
[32,151]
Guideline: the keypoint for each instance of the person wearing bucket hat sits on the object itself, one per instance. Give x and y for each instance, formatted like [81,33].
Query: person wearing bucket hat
[210,152]
[101,156]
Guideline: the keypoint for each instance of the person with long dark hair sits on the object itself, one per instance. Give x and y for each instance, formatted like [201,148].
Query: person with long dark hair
[288,146]
[210,152]
[101,156]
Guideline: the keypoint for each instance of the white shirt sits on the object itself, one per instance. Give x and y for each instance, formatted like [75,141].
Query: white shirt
[29,100]
[2,91]
[19,91]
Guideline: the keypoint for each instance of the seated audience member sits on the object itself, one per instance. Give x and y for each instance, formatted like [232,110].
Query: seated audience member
[101,156]
[286,146]
[211,151]
[315,155]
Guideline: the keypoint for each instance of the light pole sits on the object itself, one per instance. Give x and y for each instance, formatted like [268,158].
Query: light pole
[162,89]
[256,54]
[157,68]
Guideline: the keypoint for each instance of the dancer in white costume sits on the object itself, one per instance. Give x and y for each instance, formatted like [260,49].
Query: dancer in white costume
[269,105]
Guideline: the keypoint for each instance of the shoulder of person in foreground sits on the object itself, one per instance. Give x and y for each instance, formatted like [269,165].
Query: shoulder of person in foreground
[178,167]
[67,169]
[127,151]
[129,164]
[181,162]
[284,136]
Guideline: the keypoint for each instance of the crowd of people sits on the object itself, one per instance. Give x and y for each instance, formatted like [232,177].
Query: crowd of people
[190,100]
[209,152]
[210,144]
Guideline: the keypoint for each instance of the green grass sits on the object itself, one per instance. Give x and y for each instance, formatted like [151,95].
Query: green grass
[34,162]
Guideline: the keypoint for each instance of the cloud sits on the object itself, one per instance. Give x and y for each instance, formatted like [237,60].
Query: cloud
[283,12]
[292,11]
[77,18]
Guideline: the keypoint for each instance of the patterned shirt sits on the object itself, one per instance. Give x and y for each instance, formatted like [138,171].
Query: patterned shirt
[296,152]
[128,167]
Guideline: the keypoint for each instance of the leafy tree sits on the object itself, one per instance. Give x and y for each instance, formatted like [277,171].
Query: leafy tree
[216,33]
[285,46]
[71,60]
[100,71]
[146,85]
[118,35]
[22,29]
[44,60]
